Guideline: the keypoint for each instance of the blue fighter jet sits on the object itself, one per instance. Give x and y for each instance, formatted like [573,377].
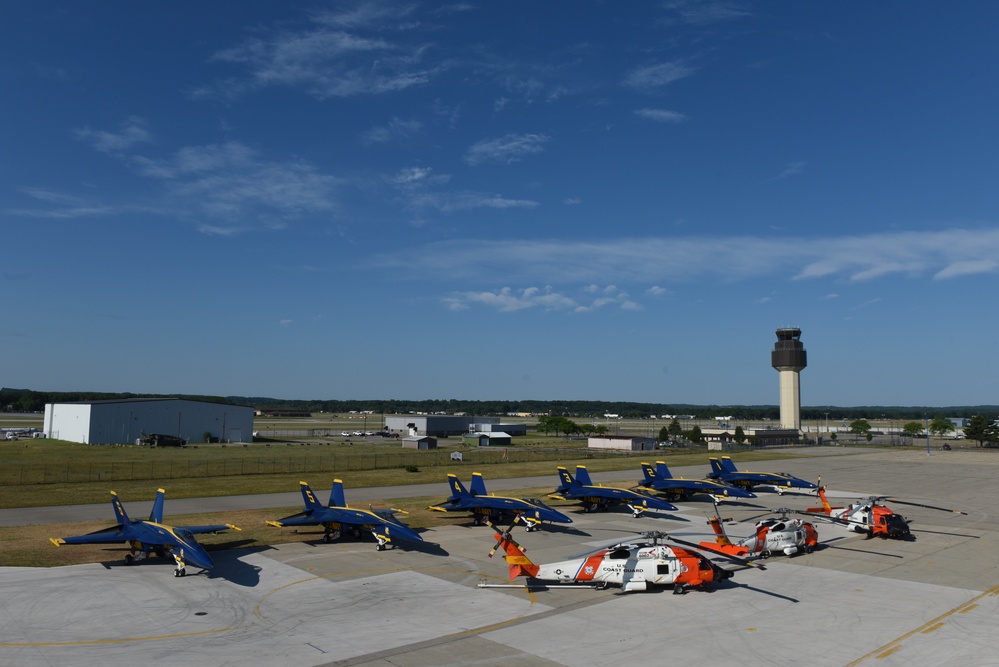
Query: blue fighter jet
[152,536]
[336,517]
[601,497]
[486,508]
[677,488]
[724,470]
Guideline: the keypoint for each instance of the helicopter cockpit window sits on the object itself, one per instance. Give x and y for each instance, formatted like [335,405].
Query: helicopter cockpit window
[777,527]
[619,554]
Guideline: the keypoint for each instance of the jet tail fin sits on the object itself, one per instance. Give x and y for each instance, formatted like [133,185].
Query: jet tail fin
[583,476]
[567,481]
[727,465]
[458,489]
[478,485]
[662,470]
[337,499]
[648,471]
[119,510]
[311,502]
[716,467]
[156,515]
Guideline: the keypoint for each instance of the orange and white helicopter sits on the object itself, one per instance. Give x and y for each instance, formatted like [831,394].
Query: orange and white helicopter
[869,516]
[634,566]
[774,535]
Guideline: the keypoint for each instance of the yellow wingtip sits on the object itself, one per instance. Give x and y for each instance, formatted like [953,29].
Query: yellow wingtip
[58,541]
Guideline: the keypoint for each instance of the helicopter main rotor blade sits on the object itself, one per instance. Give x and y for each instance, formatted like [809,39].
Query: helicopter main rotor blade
[929,507]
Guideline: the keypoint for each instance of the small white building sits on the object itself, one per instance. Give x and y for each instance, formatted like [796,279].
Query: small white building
[487,439]
[124,421]
[419,442]
[624,443]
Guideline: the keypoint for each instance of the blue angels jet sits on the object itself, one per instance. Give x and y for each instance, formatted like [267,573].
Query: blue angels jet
[336,516]
[601,497]
[723,470]
[661,479]
[485,508]
[152,536]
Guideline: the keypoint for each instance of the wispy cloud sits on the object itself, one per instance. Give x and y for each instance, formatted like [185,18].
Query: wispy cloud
[330,57]
[947,254]
[700,12]
[419,188]
[508,149]
[232,181]
[450,202]
[396,128]
[652,78]
[791,169]
[546,298]
[59,206]
[661,115]
[131,132]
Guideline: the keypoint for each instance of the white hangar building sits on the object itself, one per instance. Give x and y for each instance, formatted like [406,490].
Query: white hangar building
[123,421]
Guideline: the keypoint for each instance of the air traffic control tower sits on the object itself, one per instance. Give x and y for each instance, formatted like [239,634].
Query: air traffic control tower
[789,358]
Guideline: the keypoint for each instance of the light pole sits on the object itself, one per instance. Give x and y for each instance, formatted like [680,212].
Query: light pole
[827,423]
[927,419]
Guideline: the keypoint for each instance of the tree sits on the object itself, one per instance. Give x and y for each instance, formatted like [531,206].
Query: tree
[912,429]
[675,430]
[740,435]
[664,434]
[860,427]
[941,426]
[981,429]
[695,435]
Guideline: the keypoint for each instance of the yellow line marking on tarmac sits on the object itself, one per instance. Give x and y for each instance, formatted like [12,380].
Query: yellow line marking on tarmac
[123,640]
[896,644]
[897,647]
[935,626]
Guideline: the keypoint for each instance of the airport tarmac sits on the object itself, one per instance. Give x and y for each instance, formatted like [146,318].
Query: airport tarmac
[856,601]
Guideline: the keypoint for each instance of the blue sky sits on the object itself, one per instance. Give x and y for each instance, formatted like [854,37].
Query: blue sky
[527,200]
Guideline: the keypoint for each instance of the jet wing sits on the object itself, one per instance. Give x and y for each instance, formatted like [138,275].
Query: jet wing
[215,528]
[104,536]
[306,518]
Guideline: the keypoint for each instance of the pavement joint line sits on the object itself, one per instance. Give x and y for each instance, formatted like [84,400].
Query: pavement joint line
[896,644]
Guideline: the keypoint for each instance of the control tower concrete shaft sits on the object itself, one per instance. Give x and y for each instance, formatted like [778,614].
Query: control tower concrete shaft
[789,358]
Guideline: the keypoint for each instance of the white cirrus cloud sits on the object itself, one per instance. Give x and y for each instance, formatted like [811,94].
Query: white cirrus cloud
[652,78]
[507,149]
[132,131]
[661,115]
[329,57]
[944,254]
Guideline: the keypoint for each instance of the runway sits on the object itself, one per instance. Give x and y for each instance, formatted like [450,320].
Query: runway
[855,602]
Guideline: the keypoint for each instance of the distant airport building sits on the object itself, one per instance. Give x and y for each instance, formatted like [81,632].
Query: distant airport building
[488,439]
[127,420]
[621,442]
[435,425]
[789,359]
[498,427]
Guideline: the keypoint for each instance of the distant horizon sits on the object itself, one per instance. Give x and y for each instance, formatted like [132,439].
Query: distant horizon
[773,406]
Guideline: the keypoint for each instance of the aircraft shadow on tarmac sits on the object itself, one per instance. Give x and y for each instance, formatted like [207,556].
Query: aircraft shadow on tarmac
[229,566]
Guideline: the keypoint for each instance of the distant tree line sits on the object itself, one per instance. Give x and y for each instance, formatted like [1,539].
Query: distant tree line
[26,400]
